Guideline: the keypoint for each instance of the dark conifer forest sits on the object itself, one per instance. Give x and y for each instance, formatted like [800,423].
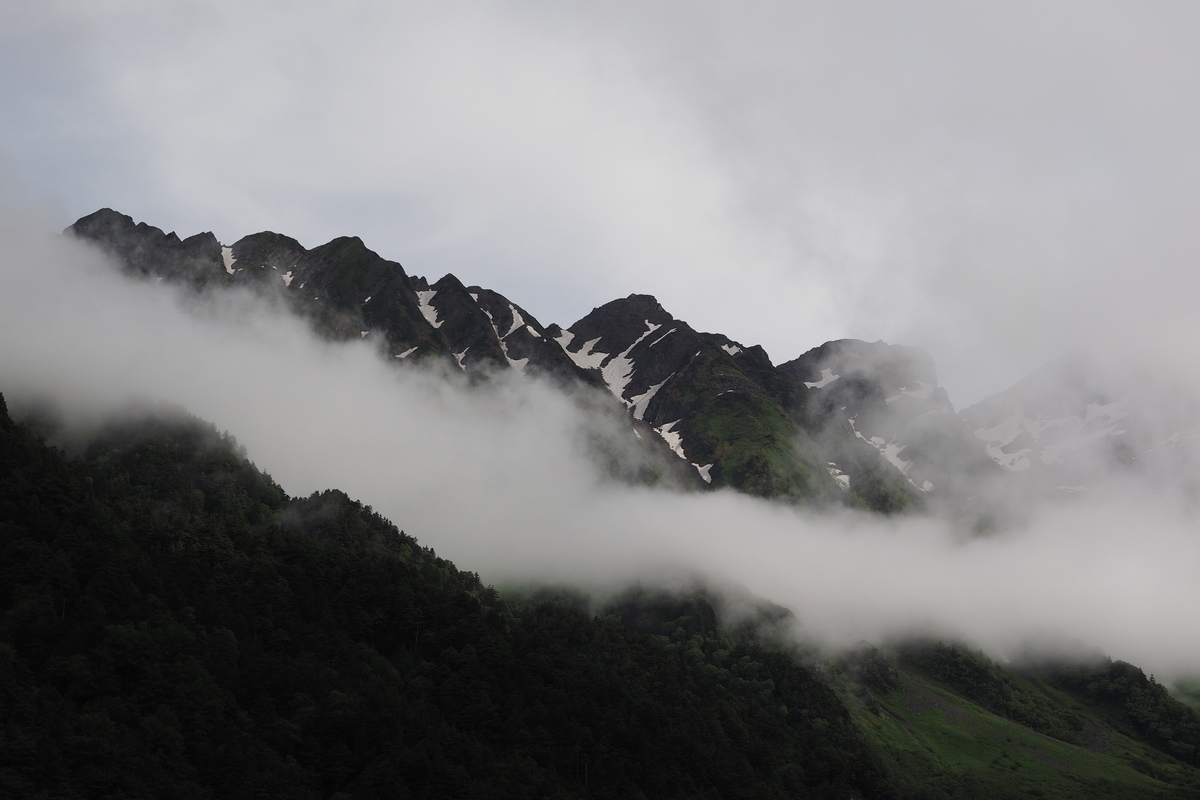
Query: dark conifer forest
[174,625]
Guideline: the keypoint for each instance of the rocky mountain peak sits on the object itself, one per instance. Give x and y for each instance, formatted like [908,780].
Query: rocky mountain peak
[616,326]
[146,250]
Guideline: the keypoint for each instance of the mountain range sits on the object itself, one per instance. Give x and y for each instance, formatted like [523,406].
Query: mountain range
[172,623]
[855,423]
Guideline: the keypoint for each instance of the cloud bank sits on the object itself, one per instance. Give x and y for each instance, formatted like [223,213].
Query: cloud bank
[498,481]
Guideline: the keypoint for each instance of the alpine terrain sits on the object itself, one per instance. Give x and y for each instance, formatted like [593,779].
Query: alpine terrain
[174,624]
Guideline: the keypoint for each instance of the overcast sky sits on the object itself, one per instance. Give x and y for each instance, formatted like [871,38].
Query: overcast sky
[998,183]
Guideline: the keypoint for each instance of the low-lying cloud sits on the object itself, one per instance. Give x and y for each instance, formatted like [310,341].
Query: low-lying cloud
[497,477]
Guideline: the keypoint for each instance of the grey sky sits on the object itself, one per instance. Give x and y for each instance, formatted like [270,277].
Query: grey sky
[996,182]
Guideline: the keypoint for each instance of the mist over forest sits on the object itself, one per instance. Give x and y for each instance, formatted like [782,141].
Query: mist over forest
[500,480]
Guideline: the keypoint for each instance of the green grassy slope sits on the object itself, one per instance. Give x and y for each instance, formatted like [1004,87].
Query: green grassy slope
[730,421]
[938,742]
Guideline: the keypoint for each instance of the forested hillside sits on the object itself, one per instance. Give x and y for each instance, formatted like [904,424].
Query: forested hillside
[172,624]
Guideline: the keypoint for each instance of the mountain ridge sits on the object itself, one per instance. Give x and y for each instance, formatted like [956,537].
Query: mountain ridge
[848,422]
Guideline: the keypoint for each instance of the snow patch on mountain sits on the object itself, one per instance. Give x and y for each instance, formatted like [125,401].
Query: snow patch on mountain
[491,319]
[618,371]
[1016,439]
[517,321]
[1180,438]
[287,278]
[673,439]
[586,358]
[406,353]
[843,480]
[516,363]
[732,349]
[704,472]
[425,300]
[890,449]
[227,258]
[996,438]
[660,338]
[639,403]
[924,391]
[827,377]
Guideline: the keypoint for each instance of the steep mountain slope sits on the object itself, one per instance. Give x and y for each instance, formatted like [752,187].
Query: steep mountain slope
[347,291]
[724,407]
[694,392]
[886,397]
[949,722]
[1073,421]
[148,251]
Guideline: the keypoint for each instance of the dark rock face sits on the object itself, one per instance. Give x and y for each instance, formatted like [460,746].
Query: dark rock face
[348,292]
[634,345]
[466,328]
[523,341]
[853,422]
[146,250]
[346,289]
